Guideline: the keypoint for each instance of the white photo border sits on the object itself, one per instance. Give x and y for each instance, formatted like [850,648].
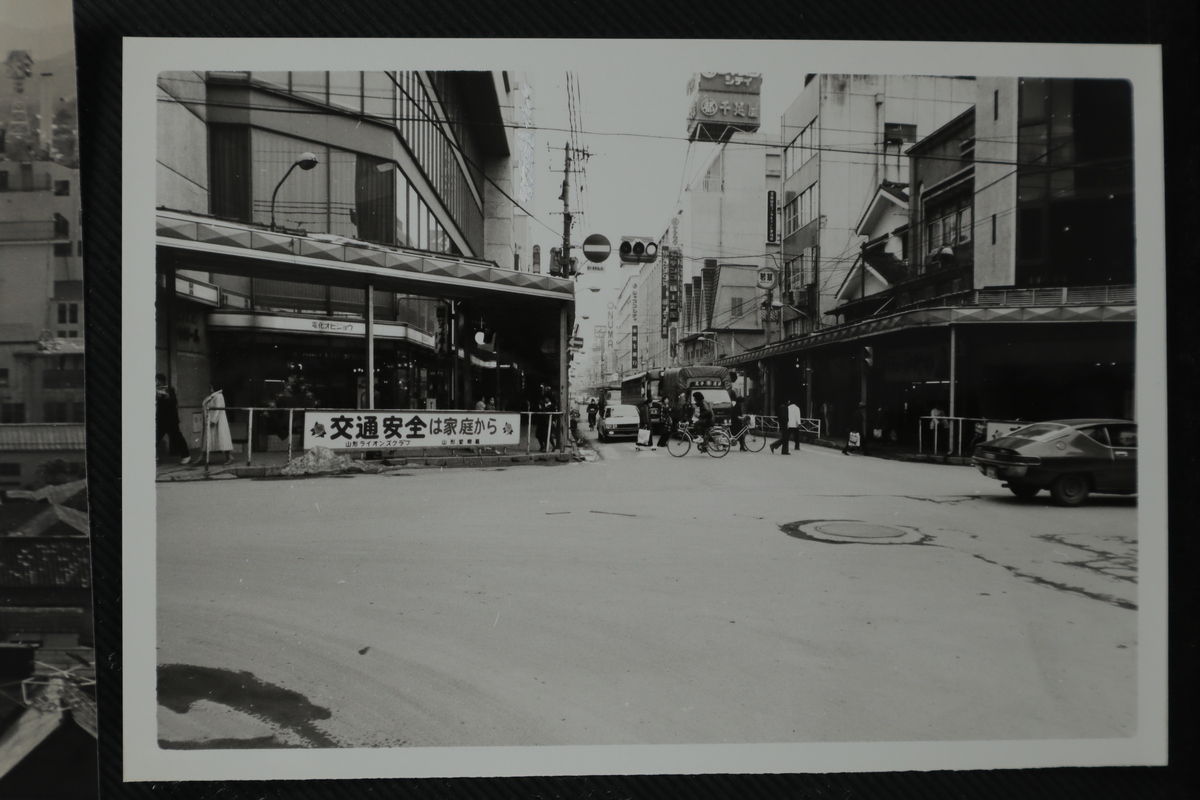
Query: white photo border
[144,59]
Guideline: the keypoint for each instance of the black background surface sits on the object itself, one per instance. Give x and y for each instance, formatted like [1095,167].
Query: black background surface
[100,24]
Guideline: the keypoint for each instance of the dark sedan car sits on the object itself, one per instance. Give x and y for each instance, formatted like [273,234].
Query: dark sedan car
[1070,457]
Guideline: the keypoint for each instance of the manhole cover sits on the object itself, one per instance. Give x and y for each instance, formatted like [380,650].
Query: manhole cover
[847,531]
[859,530]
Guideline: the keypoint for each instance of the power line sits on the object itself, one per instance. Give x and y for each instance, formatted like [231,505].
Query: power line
[865,150]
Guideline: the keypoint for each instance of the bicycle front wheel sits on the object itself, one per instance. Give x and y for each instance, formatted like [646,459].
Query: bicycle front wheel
[718,442]
[754,440]
[679,444]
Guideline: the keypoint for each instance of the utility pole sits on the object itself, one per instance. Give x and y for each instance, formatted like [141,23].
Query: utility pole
[565,264]
[564,270]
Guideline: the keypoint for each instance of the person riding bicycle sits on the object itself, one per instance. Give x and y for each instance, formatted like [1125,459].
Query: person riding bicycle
[704,417]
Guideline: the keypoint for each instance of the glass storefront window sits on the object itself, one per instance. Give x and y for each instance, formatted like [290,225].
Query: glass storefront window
[345,90]
[276,79]
[303,198]
[342,181]
[311,84]
[414,213]
[402,228]
[379,96]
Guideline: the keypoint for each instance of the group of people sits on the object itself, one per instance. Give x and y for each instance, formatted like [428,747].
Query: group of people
[166,423]
[485,404]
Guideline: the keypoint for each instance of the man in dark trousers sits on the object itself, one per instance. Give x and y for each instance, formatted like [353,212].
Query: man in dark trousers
[789,426]
[166,420]
[739,411]
[858,424]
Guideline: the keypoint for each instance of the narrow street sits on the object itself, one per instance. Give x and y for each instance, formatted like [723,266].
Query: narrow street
[639,598]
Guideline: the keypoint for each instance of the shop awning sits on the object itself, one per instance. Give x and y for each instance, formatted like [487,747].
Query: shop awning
[191,242]
[942,316]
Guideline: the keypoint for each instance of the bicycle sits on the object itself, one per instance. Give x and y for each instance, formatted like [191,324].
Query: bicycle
[751,434]
[716,441]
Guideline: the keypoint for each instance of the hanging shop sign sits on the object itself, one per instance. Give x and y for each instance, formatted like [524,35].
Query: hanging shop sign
[392,430]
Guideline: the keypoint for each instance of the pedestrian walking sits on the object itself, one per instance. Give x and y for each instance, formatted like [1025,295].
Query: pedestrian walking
[217,426]
[705,418]
[670,415]
[739,411]
[789,427]
[545,421]
[856,436]
[166,420]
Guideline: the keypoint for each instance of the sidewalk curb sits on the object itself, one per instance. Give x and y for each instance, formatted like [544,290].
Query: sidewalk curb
[376,467]
[916,458]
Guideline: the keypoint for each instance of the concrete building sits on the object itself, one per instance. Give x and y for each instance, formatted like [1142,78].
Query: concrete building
[843,136]
[994,279]
[699,300]
[41,294]
[323,233]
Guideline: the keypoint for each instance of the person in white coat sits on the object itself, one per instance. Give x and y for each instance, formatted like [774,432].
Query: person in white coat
[217,426]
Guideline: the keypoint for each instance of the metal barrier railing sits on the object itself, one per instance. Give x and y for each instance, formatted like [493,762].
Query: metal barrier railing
[952,430]
[769,426]
[531,428]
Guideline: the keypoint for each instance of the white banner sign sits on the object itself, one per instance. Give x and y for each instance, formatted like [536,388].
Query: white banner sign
[388,430]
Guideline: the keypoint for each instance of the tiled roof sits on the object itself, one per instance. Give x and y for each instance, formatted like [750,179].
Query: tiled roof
[44,562]
[34,436]
[42,620]
[888,265]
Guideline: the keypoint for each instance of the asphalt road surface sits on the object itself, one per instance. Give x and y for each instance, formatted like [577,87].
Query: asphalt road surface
[640,598]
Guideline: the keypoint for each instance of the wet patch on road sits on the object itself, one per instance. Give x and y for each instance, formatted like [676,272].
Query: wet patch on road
[1062,587]
[848,531]
[1122,566]
[182,685]
[952,500]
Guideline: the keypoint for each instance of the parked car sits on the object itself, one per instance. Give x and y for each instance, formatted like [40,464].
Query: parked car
[1070,457]
[618,421]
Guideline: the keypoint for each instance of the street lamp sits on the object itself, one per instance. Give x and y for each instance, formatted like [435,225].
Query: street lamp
[306,161]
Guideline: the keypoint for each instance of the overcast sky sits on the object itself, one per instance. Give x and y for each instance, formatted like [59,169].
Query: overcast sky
[632,118]
[42,27]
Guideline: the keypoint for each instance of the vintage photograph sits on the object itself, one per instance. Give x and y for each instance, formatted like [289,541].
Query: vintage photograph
[594,416]
[48,715]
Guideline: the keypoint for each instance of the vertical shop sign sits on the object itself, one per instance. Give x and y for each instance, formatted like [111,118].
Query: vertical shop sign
[634,352]
[664,302]
[771,233]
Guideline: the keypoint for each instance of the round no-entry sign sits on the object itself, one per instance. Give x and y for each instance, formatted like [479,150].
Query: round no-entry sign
[596,248]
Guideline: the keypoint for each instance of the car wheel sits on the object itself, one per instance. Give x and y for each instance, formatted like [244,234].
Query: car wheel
[1070,490]
[1024,490]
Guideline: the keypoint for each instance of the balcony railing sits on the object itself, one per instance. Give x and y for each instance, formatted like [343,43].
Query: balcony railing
[29,231]
[41,183]
[1124,294]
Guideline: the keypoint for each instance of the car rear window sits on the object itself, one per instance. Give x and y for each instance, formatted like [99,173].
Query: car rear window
[1039,430]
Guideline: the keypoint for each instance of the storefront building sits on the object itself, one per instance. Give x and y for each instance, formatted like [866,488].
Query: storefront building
[348,240]
[995,282]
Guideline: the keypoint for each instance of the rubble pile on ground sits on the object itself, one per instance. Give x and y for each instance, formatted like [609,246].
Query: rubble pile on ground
[322,461]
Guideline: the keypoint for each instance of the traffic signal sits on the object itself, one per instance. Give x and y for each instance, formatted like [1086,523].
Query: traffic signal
[637,250]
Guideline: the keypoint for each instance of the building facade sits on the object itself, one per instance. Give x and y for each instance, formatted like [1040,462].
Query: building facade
[349,240]
[699,300]
[995,281]
[844,136]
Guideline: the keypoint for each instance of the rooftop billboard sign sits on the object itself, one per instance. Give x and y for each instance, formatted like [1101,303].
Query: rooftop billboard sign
[720,103]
